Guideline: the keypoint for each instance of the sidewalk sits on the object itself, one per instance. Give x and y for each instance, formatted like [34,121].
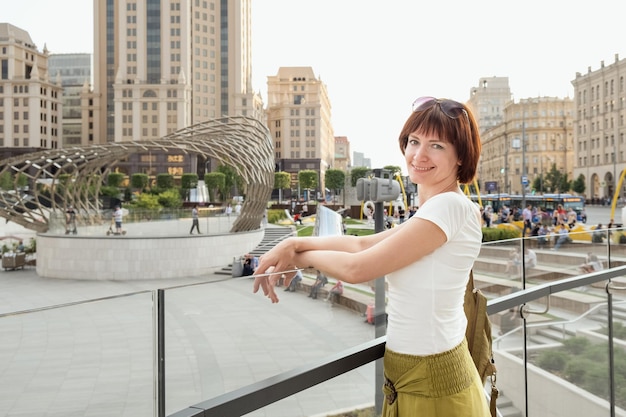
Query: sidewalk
[96,358]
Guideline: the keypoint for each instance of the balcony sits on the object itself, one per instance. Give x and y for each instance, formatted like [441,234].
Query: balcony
[213,348]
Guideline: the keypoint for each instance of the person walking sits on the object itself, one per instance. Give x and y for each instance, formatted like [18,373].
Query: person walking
[427,365]
[194,218]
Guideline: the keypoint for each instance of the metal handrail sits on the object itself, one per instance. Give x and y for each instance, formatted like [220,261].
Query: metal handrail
[270,390]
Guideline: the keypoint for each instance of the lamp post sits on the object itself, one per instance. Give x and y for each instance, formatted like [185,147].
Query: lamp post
[524,174]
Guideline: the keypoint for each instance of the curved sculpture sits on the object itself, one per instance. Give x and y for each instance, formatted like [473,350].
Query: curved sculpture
[74,175]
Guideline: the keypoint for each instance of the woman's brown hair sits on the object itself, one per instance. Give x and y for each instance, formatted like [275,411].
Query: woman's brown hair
[461,132]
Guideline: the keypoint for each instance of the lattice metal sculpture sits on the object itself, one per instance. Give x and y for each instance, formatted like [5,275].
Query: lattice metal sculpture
[74,175]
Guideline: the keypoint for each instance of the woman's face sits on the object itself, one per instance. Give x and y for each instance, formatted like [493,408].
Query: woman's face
[430,160]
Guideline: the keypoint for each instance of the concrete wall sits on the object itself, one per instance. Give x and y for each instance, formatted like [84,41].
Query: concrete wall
[549,396]
[139,257]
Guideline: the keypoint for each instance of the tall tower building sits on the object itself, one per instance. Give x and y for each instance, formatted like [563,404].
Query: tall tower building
[74,71]
[487,101]
[161,65]
[601,128]
[299,120]
[30,103]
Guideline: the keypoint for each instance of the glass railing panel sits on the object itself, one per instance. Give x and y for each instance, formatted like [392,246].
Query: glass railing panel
[498,268]
[221,337]
[560,343]
[93,358]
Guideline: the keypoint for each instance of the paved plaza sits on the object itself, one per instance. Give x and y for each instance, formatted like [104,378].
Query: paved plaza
[96,358]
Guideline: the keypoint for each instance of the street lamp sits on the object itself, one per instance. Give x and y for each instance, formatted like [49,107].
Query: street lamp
[524,173]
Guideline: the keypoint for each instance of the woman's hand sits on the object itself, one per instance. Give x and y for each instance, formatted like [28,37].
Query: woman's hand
[272,265]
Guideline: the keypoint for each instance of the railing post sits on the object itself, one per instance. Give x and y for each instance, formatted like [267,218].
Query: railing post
[161,353]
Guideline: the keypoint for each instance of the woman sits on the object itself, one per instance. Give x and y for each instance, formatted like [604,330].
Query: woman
[426,261]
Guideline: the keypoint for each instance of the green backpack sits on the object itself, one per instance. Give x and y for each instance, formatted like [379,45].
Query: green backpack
[478,335]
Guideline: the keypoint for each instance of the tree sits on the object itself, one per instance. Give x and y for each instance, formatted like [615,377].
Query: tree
[578,186]
[282,180]
[231,180]
[188,182]
[139,181]
[356,173]
[335,179]
[165,181]
[115,179]
[539,183]
[394,169]
[214,181]
[308,180]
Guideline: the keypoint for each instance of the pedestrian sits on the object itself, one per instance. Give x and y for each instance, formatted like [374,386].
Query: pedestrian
[335,292]
[297,279]
[194,218]
[70,220]
[427,366]
[320,281]
[117,215]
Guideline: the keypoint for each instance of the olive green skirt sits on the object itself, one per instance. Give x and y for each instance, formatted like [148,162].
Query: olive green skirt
[446,385]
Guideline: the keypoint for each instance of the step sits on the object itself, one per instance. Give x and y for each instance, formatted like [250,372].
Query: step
[552,334]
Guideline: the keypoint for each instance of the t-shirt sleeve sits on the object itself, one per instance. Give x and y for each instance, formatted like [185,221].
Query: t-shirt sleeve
[447,211]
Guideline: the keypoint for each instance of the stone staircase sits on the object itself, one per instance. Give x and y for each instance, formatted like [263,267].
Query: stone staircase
[272,236]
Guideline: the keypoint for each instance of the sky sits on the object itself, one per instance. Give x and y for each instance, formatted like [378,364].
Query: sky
[377,57]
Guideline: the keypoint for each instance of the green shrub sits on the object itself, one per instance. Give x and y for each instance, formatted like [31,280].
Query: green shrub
[115,179]
[576,345]
[275,215]
[170,199]
[552,360]
[491,234]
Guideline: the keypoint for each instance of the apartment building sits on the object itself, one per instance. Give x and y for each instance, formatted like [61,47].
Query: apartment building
[74,71]
[488,100]
[299,119]
[600,108]
[30,101]
[545,125]
[342,153]
[162,65]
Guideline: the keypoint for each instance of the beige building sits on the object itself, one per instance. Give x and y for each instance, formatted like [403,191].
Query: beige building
[167,64]
[299,119]
[600,128]
[546,126]
[342,153]
[488,100]
[30,102]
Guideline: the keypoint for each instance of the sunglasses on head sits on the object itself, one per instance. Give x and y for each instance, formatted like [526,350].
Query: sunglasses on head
[452,109]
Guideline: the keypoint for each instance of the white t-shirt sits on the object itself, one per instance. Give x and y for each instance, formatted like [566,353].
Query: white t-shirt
[425,299]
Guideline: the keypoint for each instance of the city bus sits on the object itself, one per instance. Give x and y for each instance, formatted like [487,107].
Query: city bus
[547,202]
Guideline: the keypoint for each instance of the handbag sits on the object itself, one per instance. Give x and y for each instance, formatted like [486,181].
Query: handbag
[478,335]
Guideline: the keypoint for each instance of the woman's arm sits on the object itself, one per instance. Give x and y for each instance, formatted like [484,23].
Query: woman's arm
[395,249]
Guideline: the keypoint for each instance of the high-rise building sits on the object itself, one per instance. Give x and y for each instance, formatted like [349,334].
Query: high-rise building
[30,103]
[359,160]
[298,117]
[535,135]
[161,65]
[487,101]
[600,128]
[74,71]
[342,153]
